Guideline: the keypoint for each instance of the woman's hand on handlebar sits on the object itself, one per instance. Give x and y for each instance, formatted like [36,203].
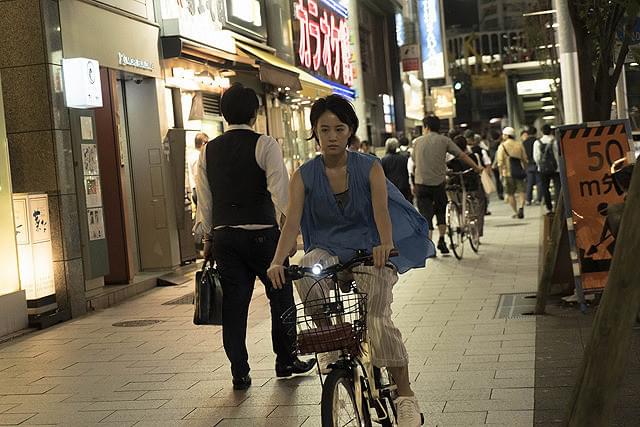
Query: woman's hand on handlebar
[381,255]
[276,275]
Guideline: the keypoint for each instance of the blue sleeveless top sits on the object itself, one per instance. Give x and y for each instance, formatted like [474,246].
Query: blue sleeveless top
[343,232]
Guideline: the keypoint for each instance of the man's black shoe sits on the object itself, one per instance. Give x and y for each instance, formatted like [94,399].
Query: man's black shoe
[242,383]
[296,367]
[442,247]
[520,213]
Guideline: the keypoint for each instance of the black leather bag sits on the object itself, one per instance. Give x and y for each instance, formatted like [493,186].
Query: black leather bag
[208,296]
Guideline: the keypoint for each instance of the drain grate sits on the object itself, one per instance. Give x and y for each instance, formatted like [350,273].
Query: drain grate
[515,306]
[184,299]
[136,323]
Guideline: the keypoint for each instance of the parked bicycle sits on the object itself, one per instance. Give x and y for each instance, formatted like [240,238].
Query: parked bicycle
[463,210]
[354,393]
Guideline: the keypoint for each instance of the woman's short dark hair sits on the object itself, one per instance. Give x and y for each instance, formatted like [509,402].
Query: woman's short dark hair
[239,104]
[432,122]
[338,106]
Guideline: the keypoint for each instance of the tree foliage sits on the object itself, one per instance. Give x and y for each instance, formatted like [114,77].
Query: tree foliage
[599,25]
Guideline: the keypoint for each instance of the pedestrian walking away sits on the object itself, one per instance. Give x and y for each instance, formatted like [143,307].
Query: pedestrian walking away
[430,158]
[395,169]
[199,142]
[342,203]
[547,158]
[242,187]
[528,138]
[512,163]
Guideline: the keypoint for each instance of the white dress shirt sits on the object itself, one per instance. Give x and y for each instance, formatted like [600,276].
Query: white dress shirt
[269,159]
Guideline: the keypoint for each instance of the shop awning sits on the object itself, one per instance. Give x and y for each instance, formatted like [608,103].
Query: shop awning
[178,47]
[307,84]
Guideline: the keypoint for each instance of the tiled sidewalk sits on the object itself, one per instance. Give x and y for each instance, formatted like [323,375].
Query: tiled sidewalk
[469,368]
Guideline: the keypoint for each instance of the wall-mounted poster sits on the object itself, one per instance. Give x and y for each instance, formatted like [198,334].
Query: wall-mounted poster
[90,159]
[39,219]
[86,128]
[21,221]
[96,224]
[93,192]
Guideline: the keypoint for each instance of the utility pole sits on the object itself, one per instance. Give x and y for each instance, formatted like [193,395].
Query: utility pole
[569,74]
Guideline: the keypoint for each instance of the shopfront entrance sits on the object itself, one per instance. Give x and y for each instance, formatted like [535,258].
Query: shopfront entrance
[114,160]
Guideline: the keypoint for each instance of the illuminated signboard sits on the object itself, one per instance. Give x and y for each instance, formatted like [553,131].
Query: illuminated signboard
[247,16]
[202,24]
[431,39]
[321,40]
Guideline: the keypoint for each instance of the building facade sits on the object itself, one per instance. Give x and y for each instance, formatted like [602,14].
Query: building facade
[102,169]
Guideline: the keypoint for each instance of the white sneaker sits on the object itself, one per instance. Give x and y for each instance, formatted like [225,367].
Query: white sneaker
[325,359]
[408,411]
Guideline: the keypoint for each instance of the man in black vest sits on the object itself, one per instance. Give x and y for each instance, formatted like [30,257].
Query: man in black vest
[242,186]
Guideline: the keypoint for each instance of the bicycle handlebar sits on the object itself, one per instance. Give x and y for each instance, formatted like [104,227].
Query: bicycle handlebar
[296,272]
[464,172]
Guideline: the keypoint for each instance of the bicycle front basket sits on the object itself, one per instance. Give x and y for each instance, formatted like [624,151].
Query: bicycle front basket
[329,324]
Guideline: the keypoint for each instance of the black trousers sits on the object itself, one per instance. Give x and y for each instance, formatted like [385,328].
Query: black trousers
[546,183]
[432,199]
[241,255]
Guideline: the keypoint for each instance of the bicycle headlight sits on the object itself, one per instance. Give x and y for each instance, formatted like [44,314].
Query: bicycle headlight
[316,269]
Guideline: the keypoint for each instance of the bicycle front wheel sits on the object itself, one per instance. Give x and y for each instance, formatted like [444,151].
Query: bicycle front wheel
[455,229]
[338,406]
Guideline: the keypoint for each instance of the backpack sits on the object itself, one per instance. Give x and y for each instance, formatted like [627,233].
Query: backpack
[548,164]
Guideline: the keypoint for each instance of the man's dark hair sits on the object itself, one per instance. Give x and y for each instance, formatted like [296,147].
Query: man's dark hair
[469,134]
[524,131]
[546,129]
[338,106]
[239,104]
[432,123]
[404,141]
[461,142]
[532,130]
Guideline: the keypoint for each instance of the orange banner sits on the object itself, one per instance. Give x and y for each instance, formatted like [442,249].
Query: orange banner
[588,153]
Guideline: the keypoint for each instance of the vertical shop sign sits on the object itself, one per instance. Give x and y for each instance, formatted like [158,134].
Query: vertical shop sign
[321,38]
[410,57]
[431,39]
[587,153]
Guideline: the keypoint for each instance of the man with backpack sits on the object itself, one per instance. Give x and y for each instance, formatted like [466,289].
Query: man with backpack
[547,157]
[528,137]
[512,163]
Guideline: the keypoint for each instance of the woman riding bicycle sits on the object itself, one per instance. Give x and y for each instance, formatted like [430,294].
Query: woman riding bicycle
[343,203]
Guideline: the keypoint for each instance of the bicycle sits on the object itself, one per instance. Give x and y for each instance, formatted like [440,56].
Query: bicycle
[463,210]
[354,393]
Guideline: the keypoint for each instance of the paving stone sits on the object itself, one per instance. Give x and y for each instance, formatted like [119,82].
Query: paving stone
[69,418]
[489,405]
[160,414]
[14,419]
[456,419]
